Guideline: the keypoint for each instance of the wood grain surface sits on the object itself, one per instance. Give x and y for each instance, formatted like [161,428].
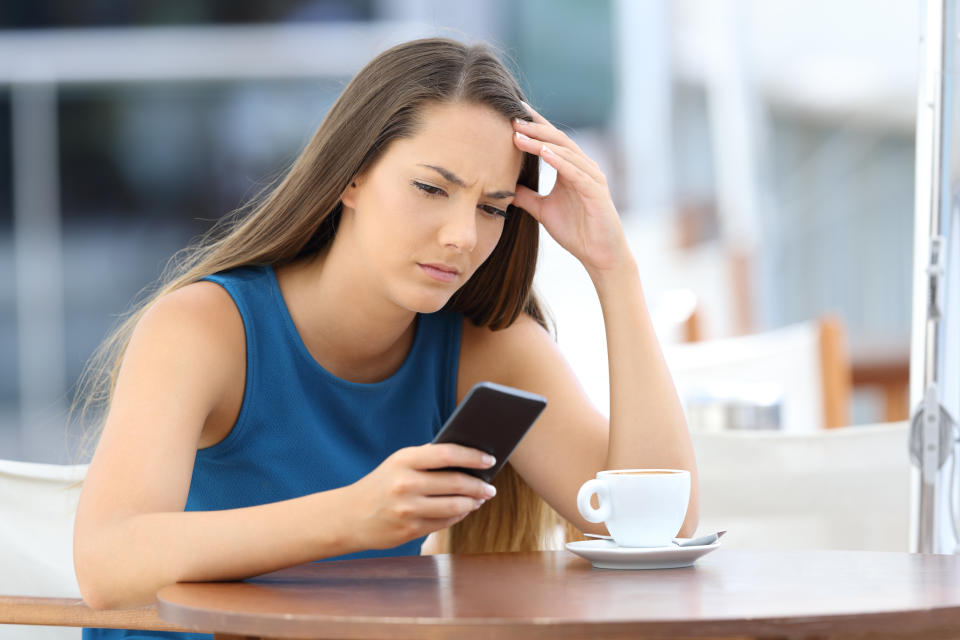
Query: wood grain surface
[72,612]
[729,593]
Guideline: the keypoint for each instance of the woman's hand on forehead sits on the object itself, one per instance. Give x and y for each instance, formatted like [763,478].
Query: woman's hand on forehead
[579,213]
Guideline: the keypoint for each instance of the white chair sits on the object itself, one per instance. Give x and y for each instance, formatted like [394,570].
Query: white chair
[846,488]
[39,596]
[807,363]
[37,506]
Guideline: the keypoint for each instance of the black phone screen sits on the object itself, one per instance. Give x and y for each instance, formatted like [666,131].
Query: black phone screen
[492,418]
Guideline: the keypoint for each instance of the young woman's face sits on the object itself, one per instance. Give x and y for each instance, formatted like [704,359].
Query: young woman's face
[431,210]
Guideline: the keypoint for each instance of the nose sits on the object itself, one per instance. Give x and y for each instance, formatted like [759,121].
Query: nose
[459,230]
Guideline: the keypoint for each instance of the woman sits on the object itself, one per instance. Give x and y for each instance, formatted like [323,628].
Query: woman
[269,405]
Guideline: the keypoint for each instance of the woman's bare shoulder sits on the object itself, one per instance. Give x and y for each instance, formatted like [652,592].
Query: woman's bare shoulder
[189,345]
[524,328]
[501,355]
[196,326]
[202,306]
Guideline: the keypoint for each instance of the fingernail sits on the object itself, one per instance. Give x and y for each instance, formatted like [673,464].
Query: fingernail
[480,503]
[520,136]
[490,490]
[519,122]
[526,106]
[545,150]
[489,460]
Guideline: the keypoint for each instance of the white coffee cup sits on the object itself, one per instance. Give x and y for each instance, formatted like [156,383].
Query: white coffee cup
[641,507]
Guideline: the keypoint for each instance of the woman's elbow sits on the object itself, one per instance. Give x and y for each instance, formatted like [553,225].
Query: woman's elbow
[95,598]
[96,570]
[93,590]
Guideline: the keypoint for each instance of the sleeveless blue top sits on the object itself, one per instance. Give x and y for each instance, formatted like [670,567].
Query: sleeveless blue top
[301,429]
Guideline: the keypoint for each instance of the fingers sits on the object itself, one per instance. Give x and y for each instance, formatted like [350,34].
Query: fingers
[426,460]
[569,168]
[544,132]
[573,156]
[541,129]
[436,524]
[450,483]
[447,507]
[533,114]
[438,456]
[528,200]
[558,156]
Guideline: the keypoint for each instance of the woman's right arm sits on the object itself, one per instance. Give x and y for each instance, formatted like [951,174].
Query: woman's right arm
[132,536]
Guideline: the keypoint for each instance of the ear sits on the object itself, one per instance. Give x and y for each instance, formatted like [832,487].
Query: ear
[349,195]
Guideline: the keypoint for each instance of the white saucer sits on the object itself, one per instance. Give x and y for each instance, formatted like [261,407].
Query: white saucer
[606,554]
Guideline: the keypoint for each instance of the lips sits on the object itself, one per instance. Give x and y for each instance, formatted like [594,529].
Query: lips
[441,272]
[442,267]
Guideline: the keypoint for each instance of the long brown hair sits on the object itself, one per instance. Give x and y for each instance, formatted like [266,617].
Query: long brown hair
[298,216]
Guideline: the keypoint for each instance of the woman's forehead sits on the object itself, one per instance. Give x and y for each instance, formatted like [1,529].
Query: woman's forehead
[472,141]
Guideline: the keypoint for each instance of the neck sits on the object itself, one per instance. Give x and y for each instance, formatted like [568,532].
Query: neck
[348,326]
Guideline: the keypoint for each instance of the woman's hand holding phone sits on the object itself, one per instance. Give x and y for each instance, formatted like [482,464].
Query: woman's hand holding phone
[406,497]
[419,490]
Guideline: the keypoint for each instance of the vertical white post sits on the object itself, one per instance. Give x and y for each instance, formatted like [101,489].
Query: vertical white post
[735,124]
[37,260]
[641,30]
[933,434]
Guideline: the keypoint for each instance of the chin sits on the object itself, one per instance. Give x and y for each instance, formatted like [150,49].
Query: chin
[428,305]
[425,301]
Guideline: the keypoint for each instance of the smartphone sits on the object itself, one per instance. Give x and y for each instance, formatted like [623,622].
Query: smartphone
[492,418]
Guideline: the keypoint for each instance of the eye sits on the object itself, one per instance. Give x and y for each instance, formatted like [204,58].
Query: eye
[433,192]
[493,211]
[428,189]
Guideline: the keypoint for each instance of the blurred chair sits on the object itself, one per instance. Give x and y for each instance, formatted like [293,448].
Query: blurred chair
[807,364]
[846,488]
[884,368]
[37,505]
[37,581]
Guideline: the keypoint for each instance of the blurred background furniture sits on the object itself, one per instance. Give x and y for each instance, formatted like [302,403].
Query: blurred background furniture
[37,581]
[37,503]
[803,368]
[884,368]
[845,488]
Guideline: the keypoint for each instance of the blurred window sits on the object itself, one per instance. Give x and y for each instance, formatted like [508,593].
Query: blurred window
[144,169]
[8,314]
[25,14]
[569,79]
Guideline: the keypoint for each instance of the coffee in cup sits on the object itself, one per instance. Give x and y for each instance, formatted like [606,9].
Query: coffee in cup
[640,507]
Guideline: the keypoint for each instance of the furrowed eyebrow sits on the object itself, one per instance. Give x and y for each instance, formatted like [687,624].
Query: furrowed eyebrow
[449,176]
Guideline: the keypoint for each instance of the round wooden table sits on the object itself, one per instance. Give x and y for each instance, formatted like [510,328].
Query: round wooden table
[555,594]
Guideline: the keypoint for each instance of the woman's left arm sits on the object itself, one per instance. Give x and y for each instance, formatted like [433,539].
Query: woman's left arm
[647,424]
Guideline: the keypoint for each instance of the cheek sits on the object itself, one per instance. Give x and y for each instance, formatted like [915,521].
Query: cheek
[489,232]
[389,218]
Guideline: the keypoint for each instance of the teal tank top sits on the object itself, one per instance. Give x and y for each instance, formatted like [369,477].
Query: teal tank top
[301,429]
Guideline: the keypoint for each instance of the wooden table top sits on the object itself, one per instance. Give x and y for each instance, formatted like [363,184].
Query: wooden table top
[555,594]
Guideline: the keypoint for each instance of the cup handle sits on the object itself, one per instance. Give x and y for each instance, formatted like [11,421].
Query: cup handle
[590,487]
